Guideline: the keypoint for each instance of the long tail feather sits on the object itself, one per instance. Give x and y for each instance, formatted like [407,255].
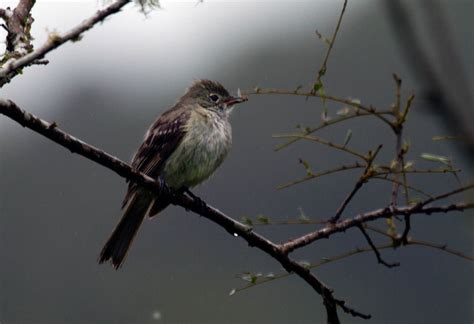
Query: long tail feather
[119,242]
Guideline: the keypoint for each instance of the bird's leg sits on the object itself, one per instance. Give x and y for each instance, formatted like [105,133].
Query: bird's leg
[196,199]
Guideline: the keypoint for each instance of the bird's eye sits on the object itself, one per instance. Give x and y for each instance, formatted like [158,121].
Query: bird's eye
[214,97]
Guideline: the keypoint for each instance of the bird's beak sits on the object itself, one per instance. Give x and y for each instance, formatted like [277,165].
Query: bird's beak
[235,100]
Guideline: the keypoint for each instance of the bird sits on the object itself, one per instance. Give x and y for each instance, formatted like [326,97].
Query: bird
[183,148]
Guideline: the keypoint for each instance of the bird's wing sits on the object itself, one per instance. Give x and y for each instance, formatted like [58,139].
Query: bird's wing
[160,142]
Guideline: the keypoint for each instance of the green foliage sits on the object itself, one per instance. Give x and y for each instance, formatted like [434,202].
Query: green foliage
[347,138]
[247,221]
[436,158]
[318,86]
[263,219]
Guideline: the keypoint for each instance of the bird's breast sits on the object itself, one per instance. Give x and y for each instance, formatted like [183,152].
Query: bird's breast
[207,141]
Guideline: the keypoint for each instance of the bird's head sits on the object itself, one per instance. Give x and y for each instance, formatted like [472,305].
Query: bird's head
[212,95]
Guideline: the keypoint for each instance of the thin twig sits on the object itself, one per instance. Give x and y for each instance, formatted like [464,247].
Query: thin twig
[360,182]
[330,122]
[448,194]
[323,68]
[417,171]
[355,165]
[328,260]
[375,249]
[412,188]
[349,102]
[324,142]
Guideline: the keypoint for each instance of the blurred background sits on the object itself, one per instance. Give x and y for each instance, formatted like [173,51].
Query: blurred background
[57,209]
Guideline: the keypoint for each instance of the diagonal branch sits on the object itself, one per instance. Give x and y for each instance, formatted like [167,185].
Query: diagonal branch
[362,179]
[310,176]
[11,68]
[323,68]
[51,131]
[346,224]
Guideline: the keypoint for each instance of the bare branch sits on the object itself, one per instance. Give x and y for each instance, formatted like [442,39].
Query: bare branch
[362,179]
[345,224]
[330,123]
[375,249]
[11,67]
[51,131]
[418,171]
[412,188]
[355,165]
[448,194]
[323,68]
[328,260]
[322,141]
[349,102]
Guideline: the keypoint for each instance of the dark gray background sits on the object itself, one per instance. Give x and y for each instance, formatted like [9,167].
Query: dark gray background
[57,209]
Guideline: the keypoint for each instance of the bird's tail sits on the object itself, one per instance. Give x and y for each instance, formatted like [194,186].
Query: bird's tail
[119,242]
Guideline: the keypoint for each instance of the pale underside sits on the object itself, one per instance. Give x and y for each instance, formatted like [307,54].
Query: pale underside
[207,141]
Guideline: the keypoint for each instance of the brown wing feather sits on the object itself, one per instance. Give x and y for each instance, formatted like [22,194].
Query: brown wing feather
[160,141]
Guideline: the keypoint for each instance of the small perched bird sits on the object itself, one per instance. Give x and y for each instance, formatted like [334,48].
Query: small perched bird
[183,147]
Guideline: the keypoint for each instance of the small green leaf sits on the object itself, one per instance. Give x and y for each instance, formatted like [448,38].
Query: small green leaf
[406,146]
[344,111]
[247,276]
[347,138]
[324,115]
[414,201]
[317,86]
[306,166]
[302,216]
[263,219]
[355,101]
[246,220]
[392,227]
[436,158]
[444,138]
[393,165]
[305,264]
[298,88]
[408,165]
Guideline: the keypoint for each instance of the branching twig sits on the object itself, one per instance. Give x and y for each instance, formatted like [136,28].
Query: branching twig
[355,165]
[349,102]
[11,68]
[412,188]
[323,68]
[375,249]
[346,224]
[51,131]
[324,142]
[331,122]
[360,182]
[328,260]
[448,194]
